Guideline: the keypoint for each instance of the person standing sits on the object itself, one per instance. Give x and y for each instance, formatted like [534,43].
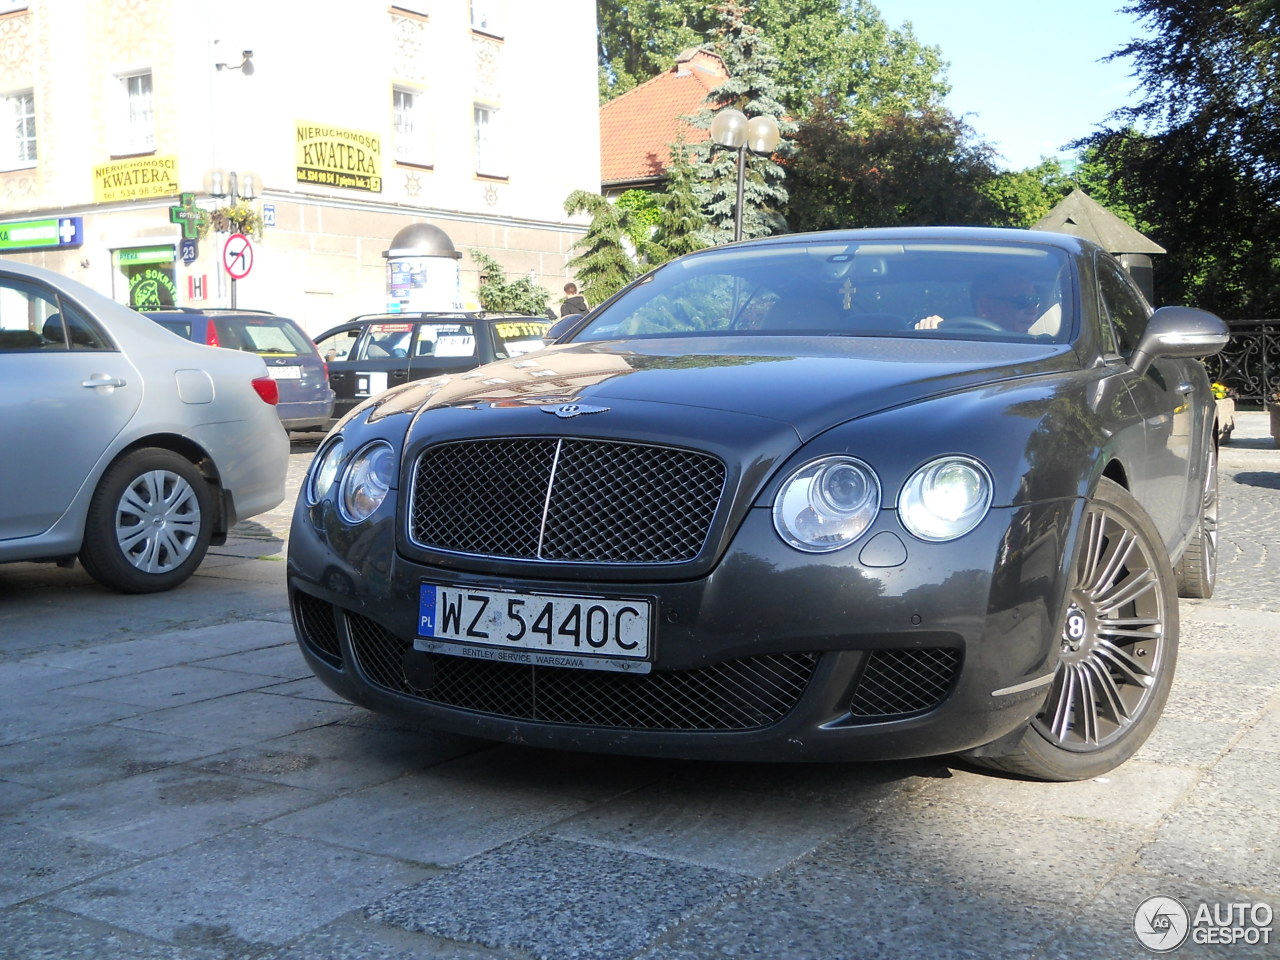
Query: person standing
[574,302]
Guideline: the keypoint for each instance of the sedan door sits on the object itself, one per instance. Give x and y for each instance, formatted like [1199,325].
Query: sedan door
[65,393]
[1163,396]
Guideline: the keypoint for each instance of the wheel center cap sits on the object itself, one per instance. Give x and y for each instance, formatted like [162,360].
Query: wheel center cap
[1076,629]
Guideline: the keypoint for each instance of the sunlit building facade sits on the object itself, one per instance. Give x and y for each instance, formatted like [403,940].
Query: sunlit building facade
[140,136]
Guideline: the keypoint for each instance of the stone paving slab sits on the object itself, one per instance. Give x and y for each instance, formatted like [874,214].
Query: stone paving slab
[174,784]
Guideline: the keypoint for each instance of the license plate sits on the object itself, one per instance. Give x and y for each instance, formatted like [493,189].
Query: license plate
[594,633]
[285,373]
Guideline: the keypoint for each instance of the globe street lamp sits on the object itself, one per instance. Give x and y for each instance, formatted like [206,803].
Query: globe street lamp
[731,129]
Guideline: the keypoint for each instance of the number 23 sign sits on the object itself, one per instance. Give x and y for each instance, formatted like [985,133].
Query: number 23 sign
[237,256]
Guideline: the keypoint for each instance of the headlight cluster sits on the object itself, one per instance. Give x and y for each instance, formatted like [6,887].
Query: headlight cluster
[364,478]
[830,502]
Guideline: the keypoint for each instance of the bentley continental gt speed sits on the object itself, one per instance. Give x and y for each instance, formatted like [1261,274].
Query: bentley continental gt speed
[840,496]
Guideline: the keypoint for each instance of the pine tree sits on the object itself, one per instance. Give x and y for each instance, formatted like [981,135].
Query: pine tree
[604,265]
[751,65]
[680,225]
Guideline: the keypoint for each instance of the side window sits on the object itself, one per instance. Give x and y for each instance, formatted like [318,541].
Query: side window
[337,346]
[82,334]
[1124,312]
[29,318]
[515,337]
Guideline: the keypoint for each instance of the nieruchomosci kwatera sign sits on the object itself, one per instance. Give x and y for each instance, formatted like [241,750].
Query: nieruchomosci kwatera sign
[135,179]
[336,157]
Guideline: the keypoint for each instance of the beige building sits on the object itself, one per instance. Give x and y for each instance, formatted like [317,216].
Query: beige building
[337,125]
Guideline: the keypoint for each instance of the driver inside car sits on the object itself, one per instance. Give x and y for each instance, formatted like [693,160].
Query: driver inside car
[1005,298]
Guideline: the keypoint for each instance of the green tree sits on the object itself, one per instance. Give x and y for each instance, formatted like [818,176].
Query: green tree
[639,39]
[604,265]
[1196,164]
[680,225]
[1210,69]
[840,48]
[1023,197]
[497,293]
[750,87]
[912,169]
[846,50]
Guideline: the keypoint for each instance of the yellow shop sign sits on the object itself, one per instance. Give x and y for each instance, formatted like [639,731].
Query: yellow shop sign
[334,157]
[135,179]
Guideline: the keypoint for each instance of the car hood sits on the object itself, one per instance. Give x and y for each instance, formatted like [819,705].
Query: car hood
[810,384]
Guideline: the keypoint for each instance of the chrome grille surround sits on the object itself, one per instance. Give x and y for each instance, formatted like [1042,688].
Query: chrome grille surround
[564,500]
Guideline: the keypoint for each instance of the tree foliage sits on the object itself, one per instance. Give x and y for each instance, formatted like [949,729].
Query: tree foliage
[1211,72]
[750,87]
[680,225]
[1024,197]
[1196,164]
[912,169]
[497,293]
[824,48]
[604,265]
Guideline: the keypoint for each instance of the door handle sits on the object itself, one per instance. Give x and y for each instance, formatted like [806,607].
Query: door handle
[102,380]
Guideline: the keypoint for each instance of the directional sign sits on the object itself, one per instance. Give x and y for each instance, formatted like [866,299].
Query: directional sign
[237,256]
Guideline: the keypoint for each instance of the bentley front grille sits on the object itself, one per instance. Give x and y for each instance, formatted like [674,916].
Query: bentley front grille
[565,499]
[897,683]
[734,695]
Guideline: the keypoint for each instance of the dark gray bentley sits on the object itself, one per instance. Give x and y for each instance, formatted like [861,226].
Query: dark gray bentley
[839,496]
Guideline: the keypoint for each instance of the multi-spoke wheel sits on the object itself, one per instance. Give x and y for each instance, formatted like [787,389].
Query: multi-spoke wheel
[1118,643]
[1197,570]
[149,523]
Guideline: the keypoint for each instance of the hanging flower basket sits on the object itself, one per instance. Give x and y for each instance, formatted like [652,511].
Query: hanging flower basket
[234,218]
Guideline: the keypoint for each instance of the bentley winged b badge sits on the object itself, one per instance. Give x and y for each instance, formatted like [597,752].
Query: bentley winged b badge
[567,410]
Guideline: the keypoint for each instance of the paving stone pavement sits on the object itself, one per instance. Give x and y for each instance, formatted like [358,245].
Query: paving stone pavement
[174,785]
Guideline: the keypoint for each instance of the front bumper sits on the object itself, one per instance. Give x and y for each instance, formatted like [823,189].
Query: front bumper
[774,655]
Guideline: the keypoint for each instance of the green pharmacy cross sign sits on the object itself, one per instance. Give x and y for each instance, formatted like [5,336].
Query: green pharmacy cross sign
[188,214]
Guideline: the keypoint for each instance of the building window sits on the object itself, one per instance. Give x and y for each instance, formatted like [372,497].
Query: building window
[412,128]
[487,16]
[20,146]
[139,133]
[491,160]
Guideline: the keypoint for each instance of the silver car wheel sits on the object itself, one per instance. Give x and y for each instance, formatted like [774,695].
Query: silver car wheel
[157,521]
[1113,648]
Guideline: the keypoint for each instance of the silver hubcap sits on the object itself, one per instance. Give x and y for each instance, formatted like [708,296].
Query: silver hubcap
[158,521]
[1112,642]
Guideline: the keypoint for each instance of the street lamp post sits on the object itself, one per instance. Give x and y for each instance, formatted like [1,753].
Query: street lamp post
[732,130]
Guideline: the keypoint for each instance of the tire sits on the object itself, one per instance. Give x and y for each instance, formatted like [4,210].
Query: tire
[1197,570]
[149,523]
[1118,649]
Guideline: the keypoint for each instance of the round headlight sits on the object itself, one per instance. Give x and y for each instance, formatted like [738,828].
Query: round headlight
[367,480]
[826,504]
[945,498]
[324,470]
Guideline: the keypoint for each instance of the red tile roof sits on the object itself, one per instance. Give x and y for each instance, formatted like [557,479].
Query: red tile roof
[638,128]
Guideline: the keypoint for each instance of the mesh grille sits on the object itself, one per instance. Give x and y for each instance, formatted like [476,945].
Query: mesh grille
[317,627]
[569,500]
[734,695]
[897,682]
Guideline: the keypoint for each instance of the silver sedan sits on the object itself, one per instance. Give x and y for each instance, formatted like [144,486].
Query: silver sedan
[124,445]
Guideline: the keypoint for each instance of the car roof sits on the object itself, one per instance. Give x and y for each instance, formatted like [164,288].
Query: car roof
[1064,241]
[470,315]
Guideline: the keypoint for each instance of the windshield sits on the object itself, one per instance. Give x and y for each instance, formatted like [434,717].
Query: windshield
[928,288]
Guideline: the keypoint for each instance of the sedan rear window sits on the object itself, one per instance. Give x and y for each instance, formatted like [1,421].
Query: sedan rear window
[265,335]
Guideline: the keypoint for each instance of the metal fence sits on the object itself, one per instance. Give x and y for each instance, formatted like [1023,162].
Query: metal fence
[1250,364]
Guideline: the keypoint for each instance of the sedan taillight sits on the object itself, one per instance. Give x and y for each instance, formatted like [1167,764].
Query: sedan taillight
[267,389]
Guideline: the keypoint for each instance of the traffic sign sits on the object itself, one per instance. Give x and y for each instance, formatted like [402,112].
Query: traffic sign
[237,256]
